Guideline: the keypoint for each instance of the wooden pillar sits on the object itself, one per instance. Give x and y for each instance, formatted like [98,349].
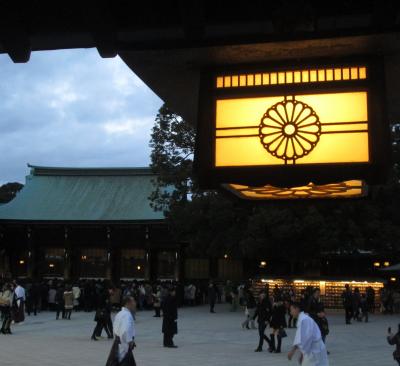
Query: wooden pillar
[213,268]
[31,265]
[116,265]
[3,255]
[181,264]
[177,269]
[149,257]
[110,256]
[67,256]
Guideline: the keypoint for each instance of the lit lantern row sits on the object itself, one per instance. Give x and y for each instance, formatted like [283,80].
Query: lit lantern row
[290,132]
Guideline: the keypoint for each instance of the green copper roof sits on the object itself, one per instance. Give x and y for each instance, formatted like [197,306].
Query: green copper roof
[83,194]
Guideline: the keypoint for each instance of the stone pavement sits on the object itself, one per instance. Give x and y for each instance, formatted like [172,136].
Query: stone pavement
[203,339]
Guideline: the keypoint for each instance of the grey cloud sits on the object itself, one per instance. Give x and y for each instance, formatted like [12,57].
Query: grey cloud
[72,108]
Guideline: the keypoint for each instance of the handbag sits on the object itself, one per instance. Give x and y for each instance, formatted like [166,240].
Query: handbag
[112,359]
[282,333]
[100,315]
[128,360]
[324,326]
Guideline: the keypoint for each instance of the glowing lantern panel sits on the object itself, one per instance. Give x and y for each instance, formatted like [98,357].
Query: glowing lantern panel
[262,130]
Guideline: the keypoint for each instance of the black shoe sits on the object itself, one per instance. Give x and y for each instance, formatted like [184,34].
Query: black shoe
[3,331]
[93,338]
[247,327]
[110,337]
[258,349]
[277,351]
[171,346]
[8,331]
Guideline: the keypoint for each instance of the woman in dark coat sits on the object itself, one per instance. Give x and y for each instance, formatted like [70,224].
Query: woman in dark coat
[278,323]
[102,316]
[263,314]
[60,302]
[170,319]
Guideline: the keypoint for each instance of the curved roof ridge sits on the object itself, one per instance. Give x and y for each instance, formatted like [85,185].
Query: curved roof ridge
[89,171]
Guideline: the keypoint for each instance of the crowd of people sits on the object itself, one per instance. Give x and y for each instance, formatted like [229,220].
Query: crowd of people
[270,310]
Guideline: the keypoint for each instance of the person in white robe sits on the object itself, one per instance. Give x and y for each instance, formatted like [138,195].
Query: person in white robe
[19,296]
[308,340]
[124,327]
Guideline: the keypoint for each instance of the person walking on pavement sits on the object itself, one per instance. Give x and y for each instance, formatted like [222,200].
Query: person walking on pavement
[6,300]
[102,316]
[19,302]
[124,330]
[263,315]
[250,309]
[394,339]
[278,323]
[212,296]
[68,302]
[60,302]
[157,302]
[308,340]
[316,310]
[235,298]
[170,319]
[347,298]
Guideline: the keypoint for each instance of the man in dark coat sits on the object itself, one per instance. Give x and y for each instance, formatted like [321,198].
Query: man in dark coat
[212,296]
[394,339]
[170,319]
[347,297]
[316,310]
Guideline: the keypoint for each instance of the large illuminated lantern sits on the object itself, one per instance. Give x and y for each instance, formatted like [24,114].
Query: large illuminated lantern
[290,125]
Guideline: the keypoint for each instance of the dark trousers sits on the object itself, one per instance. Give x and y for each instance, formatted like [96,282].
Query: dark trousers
[348,313]
[60,310]
[6,315]
[262,336]
[157,311]
[67,313]
[109,325]
[100,324]
[19,312]
[212,305]
[168,339]
[364,315]
[32,305]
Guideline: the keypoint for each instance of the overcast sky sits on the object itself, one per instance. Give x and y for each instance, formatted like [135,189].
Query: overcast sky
[72,108]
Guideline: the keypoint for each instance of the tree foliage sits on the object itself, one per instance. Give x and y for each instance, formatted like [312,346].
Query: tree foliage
[8,191]
[214,223]
[172,143]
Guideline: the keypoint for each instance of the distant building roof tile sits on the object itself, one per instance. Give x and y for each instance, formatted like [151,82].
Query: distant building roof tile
[83,194]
